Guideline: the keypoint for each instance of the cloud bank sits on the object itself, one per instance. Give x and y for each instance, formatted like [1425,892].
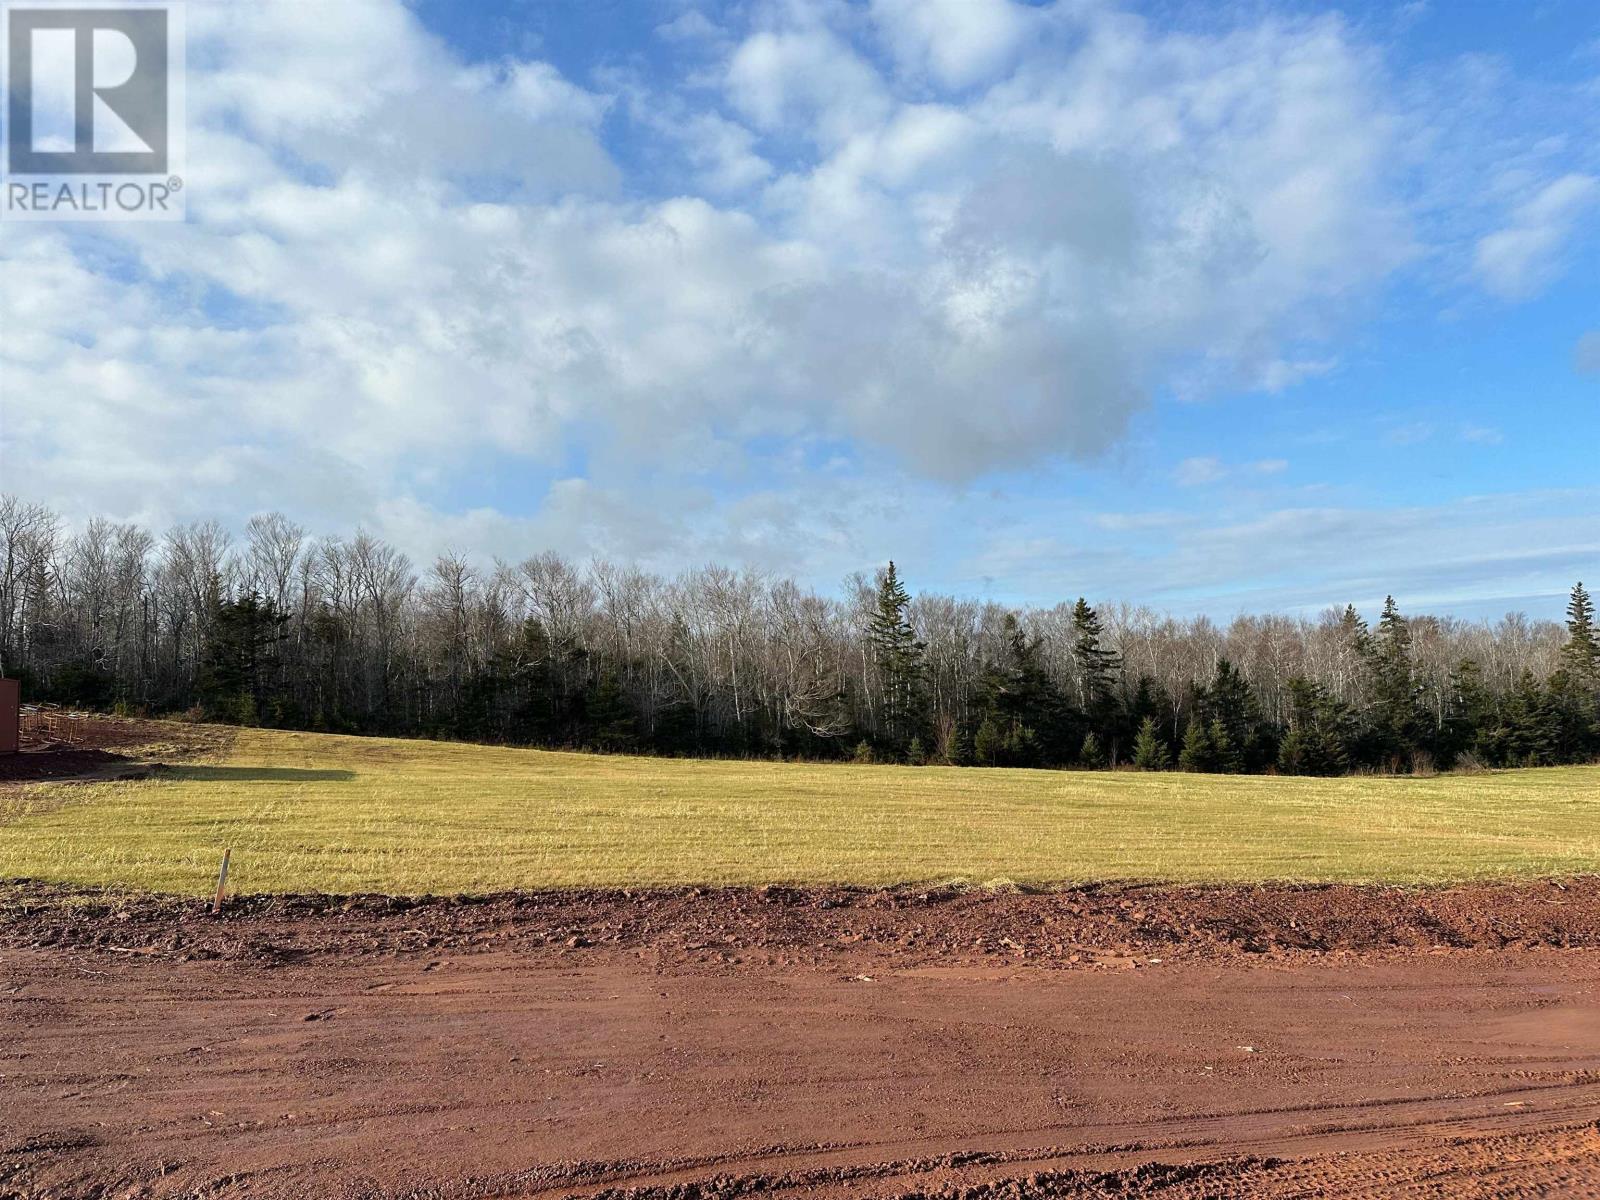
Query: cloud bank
[951,240]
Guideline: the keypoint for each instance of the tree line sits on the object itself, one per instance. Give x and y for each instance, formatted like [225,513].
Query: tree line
[280,628]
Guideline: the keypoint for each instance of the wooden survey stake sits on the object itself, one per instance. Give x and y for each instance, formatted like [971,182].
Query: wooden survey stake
[222,882]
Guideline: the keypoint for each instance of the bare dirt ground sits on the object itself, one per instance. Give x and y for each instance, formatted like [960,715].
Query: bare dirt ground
[112,748]
[819,1043]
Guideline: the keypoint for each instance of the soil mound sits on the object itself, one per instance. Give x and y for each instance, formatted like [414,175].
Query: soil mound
[1087,926]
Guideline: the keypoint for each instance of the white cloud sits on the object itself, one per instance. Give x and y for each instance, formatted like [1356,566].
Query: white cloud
[1194,472]
[958,42]
[986,249]
[1207,469]
[806,78]
[1519,260]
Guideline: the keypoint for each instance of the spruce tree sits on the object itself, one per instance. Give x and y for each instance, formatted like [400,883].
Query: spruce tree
[1397,722]
[1295,754]
[1029,715]
[1230,701]
[987,744]
[1470,714]
[1096,665]
[1225,754]
[610,717]
[1090,754]
[1582,651]
[916,754]
[960,751]
[1150,751]
[1321,731]
[1198,753]
[240,657]
[899,659]
[1353,626]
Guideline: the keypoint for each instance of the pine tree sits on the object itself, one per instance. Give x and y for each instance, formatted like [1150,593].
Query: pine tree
[1470,714]
[1295,753]
[1230,701]
[1582,651]
[610,716]
[898,656]
[1091,754]
[1028,714]
[1354,628]
[960,752]
[240,654]
[1020,746]
[1096,666]
[1150,751]
[1225,755]
[1321,728]
[1397,721]
[916,753]
[1198,753]
[987,744]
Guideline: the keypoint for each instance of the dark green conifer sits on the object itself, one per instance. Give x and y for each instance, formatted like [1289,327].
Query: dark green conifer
[1150,751]
[1582,651]
[1198,753]
[899,658]
[987,744]
[960,751]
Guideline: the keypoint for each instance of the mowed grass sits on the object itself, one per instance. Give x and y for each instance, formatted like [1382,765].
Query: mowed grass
[311,812]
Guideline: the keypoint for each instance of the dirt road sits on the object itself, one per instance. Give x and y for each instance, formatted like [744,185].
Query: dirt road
[456,1051]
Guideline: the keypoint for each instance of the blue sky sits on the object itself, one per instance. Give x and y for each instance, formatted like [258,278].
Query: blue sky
[1243,307]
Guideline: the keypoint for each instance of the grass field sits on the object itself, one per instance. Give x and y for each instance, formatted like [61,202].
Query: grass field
[310,812]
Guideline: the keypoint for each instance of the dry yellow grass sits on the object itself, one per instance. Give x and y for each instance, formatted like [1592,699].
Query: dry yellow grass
[311,812]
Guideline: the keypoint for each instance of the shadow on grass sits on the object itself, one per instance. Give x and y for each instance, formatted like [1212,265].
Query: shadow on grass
[258,775]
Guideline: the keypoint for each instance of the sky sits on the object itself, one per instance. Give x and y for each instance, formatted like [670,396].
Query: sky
[1222,308]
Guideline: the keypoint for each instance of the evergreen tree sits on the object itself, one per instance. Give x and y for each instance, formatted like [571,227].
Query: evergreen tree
[1096,666]
[899,659]
[1353,627]
[960,752]
[1569,718]
[1469,716]
[240,656]
[1321,731]
[1091,754]
[916,753]
[609,717]
[1150,700]
[1230,701]
[1518,737]
[1150,751]
[1029,716]
[1396,720]
[1296,754]
[1582,651]
[987,743]
[1225,755]
[1198,753]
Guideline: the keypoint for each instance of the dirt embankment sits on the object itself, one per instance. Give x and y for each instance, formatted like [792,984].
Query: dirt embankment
[1064,928]
[818,1043]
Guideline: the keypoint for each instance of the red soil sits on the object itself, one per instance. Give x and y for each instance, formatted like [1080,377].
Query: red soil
[111,748]
[1100,1042]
